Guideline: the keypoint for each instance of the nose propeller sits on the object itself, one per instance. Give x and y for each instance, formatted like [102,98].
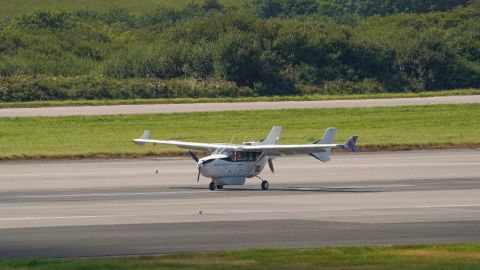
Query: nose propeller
[198,176]
[195,158]
[192,155]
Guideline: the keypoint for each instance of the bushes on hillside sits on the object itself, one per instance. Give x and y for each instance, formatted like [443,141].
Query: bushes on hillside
[271,56]
[44,20]
[383,7]
[296,50]
[27,88]
[283,8]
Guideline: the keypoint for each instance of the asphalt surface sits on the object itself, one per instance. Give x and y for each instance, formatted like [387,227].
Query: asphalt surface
[109,208]
[236,106]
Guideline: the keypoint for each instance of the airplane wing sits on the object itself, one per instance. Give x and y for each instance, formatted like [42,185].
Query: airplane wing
[293,149]
[210,147]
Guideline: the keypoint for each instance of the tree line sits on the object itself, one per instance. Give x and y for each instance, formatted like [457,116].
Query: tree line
[265,47]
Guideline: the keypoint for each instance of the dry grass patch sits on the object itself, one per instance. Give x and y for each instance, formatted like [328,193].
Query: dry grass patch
[209,261]
[437,254]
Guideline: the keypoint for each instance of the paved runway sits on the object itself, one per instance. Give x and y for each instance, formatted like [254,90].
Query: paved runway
[235,106]
[101,208]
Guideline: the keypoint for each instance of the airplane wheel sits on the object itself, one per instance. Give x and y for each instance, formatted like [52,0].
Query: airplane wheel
[265,185]
[220,186]
[211,186]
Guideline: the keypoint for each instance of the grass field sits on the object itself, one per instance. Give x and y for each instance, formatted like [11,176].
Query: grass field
[437,126]
[448,256]
[34,104]
[15,7]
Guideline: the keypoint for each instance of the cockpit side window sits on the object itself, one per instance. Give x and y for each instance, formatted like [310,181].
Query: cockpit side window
[240,156]
[231,155]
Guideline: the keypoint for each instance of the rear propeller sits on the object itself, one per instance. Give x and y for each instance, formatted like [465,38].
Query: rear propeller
[270,164]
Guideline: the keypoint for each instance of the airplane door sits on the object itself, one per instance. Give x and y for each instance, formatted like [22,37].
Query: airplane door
[240,168]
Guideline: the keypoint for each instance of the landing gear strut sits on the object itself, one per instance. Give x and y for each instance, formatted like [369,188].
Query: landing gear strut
[212,186]
[265,184]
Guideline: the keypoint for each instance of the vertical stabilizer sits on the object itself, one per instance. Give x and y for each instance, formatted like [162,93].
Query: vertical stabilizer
[328,138]
[145,136]
[350,144]
[273,136]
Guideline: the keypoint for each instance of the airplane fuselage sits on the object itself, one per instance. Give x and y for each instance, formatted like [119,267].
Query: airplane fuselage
[232,169]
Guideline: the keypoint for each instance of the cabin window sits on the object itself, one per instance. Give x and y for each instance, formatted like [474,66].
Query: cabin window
[247,156]
[253,156]
[242,156]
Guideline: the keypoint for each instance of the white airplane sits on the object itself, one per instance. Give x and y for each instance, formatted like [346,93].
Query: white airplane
[231,164]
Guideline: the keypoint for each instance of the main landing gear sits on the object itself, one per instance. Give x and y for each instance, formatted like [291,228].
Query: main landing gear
[264,184]
[212,186]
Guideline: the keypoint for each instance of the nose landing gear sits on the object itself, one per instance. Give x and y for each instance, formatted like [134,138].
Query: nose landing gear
[212,186]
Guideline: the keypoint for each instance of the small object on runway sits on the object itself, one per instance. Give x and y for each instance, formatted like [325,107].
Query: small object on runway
[200,211]
[156,171]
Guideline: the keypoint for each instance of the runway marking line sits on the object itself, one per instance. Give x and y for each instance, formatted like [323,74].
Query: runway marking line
[208,213]
[447,206]
[349,187]
[185,192]
[104,194]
